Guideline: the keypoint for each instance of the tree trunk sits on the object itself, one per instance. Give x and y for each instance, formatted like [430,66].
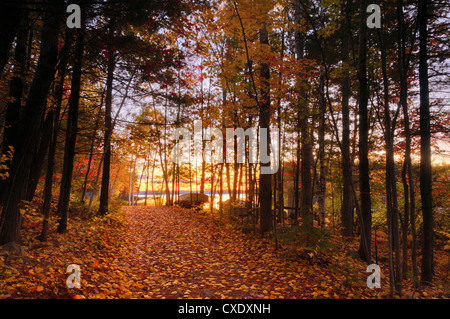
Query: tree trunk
[91,150]
[46,206]
[71,135]
[364,184]
[408,183]
[221,190]
[265,180]
[425,148]
[39,156]
[104,193]
[306,146]
[297,172]
[133,183]
[322,177]
[130,189]
[391,183]
[347,196]
[279,185]
[146,180]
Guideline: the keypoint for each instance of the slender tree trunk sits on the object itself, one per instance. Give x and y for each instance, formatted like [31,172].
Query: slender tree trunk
[39,156]
[169,200]
[107,141]
[347,196]
[299,53]
[280,157]
[140,183]
[297,172]
[322,178]
[104,194]
[408,183]
[133,182]
[48,186]
[91,150]
[153,190]
[130,190]
[48,183]
[425,148]
[265,180]
[71,135]
[221,190]
[306,146]
[364,184]
[391,183]
[146,182]
[224,100]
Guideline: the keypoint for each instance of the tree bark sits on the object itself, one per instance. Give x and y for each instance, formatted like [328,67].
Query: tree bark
[104,193]
[364,184]
[265,180]
[427,271]
[46,206]
[306,146]
[322,177]
[407,175]
[39,156]
[347,196]
[391,183]
[91,150]
[71,135]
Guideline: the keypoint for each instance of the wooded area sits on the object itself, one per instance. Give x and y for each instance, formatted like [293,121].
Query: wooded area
[357,118]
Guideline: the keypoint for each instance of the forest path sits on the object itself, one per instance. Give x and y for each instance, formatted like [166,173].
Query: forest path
[177,253]
[170,252]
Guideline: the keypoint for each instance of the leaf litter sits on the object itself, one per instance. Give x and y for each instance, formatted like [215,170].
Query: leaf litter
[170,252]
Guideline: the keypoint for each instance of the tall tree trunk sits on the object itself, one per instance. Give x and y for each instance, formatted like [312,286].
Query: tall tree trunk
[322,177]
[203,166]
[364,184]
[306,146]
[71,134]
[91,150]
[391,183]
[408,183]
[347,196]
[46,207]
[104,193]
[265,180]
[39,156]
[425,148]
[133,183]
[146,180]
[27,138]
[297,171]
[48,186]
[280,201]
[221,190]
[130,188]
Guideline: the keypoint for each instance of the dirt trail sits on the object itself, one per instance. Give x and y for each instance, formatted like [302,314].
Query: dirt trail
[175,253]
[169,252]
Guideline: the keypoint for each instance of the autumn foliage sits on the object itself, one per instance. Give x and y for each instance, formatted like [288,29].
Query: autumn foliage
[90,117]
